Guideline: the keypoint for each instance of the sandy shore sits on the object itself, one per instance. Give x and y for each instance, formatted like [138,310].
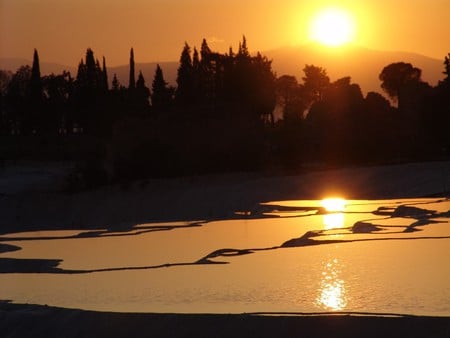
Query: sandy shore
[43,321]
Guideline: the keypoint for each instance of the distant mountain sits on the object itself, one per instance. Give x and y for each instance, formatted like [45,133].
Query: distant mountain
[47,68]
[361,64]
[122,72]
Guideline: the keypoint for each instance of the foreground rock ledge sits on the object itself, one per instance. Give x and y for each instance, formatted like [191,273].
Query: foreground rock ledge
[19,320]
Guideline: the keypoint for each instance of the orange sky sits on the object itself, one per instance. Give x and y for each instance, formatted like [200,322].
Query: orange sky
[61,30]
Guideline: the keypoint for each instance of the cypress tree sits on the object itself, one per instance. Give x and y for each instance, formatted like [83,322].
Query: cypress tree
[35,80]
[185,77]
[32,121]
[132,81]
[105,75]
[90,68]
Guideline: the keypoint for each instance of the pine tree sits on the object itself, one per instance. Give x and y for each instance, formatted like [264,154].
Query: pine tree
[243,49]
[132,82]
[81,72]
[208,72]
[205,51]
[142,92]
[160,92]
[446,72]
[195,60]
[184,93]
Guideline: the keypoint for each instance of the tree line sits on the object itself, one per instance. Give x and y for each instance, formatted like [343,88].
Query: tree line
[220,116]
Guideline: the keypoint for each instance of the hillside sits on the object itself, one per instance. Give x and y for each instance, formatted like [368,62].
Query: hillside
[12,64]
[362,64]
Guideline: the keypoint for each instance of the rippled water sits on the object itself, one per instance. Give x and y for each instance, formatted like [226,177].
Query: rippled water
[387,256]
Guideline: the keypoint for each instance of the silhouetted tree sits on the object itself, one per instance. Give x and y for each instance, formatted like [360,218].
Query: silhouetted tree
[396,77]
[89,112]
[436,115]
[335,122]
[290,97]
[57,91]
[132,81]
[115,84]
[17,101]
[446,71]
[142,94]
[161,93]
[35,112]
[35,80]
[184,91]
[105,75]
[208,76]
[315,83]
[243,49]
[5,78]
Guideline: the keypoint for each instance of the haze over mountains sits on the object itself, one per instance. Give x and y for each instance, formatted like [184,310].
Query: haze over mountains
[361,64]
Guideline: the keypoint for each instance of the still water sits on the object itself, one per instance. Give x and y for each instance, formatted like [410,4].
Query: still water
[384,256]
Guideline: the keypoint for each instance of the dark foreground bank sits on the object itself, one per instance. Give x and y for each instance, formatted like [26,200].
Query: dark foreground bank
[18,320]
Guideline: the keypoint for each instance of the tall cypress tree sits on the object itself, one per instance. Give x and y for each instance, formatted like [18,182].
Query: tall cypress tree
[35,80]
[90,68]
[132,81]
[34,121]
[105,75]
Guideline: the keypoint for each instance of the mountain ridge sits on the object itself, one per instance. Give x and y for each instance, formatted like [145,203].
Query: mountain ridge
[362,64]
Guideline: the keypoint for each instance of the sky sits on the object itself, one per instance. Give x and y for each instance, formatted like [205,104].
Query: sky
[62,30]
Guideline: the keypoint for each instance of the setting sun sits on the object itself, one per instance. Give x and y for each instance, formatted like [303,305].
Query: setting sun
[332,27]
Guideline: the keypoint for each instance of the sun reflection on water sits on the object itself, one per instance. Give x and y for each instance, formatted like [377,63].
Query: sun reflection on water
[335,218]
[333,221]
[331,295]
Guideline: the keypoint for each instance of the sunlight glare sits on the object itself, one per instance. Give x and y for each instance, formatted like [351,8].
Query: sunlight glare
[332,27]
[334,204]
[332,294]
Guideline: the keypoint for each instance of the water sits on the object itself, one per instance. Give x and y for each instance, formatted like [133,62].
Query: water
[287,256]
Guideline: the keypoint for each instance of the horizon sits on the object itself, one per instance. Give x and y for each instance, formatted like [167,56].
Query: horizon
[311,44]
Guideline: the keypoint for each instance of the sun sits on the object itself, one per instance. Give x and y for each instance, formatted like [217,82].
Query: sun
[332,27]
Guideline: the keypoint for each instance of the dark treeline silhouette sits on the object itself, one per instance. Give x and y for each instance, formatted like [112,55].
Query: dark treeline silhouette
[218,118]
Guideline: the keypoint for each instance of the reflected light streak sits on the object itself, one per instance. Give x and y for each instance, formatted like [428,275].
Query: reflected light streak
[333,221]
[332,295]
[336,218]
